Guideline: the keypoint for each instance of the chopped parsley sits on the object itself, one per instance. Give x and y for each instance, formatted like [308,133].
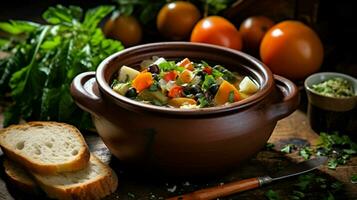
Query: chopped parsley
[338,148]
[231,97]
[306,152]
[334,87]
[288,148]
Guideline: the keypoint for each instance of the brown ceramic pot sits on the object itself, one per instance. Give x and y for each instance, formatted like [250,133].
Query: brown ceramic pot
[184,142]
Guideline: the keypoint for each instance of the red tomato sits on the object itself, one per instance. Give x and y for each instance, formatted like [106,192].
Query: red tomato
[127,29]
[170,76]
[217,30]
[253,30]
[208,70]
[176,20]
[175,91]
[292,49]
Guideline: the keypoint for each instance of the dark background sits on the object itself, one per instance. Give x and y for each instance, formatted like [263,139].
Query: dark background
[334,21]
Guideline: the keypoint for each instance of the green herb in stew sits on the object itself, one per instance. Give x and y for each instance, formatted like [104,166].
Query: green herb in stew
[334,87]
[183,84]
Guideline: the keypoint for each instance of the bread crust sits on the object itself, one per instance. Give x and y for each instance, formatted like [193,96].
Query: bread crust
[96,188]
[28,186]
[80,161]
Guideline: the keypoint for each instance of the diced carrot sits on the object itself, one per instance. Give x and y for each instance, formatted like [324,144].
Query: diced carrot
[180,101]
[175,91]
[208,70]
[223,93]
[170,76]
[142,81]
[186,76]
[186,63]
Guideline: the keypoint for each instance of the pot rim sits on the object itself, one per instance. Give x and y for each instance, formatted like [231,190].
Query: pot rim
[265,88]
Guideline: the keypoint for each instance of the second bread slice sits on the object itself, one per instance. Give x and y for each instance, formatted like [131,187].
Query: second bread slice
[45,147]
[19,177]
[95,181]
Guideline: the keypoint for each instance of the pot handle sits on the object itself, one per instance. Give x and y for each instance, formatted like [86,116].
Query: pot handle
[85,92]
[288,100]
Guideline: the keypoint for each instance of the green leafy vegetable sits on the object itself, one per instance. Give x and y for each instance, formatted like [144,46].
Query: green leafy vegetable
[332,163]
[231,97]
[168,66]
[43,63]
[217,73]
[269,146]
[226,74]
[306,152]
[18,27]
[287,148]
[339,148]
[209,80]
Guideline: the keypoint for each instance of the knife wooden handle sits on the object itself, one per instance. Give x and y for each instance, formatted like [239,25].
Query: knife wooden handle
[221,190]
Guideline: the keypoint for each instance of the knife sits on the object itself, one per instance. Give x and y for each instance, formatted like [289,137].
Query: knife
[251,183]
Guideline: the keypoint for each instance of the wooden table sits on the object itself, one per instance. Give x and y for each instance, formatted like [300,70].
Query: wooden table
[293,129]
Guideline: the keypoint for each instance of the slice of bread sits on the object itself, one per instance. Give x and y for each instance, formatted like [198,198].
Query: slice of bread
[95,181]
[20,178]
[45,147]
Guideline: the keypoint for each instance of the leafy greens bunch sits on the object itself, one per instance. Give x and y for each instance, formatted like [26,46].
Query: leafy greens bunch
[45,58]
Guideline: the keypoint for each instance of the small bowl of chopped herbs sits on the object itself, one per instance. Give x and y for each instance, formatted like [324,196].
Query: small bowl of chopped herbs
[332,102]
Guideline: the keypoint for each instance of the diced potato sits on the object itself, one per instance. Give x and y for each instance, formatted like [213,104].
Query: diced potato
[160,60]
[189,106]
[243,95]
[248,86]
[127,74]
[181,101]
[121,88]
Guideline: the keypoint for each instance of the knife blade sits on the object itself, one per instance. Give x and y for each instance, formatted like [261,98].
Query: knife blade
[247,184]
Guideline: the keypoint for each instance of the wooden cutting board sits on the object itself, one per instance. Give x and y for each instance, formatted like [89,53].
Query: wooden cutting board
[293,129]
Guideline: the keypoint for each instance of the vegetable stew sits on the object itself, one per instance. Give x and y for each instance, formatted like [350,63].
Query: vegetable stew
[184,84]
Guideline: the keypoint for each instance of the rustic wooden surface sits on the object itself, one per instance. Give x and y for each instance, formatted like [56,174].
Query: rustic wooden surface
[293,129]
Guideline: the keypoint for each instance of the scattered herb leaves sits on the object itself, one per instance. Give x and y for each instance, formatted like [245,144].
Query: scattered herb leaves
[272,195]
[354,179]
[269,146]
[338,148]
[306,152]
[314,186]
[287,148]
